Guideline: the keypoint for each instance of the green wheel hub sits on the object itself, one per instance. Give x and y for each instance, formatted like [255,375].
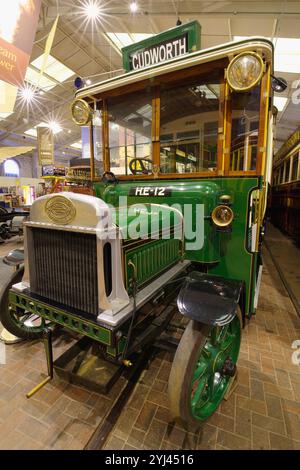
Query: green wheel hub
[202,369]
[20,322]
[27,322]
[210,378]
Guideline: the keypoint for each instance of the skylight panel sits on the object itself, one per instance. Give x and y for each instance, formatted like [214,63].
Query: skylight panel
[215,89]
[54,126]
[5,115]
[287,53]
[287,63]
[77,145]
[140,37]
[145,111]
[124,39]
[34,77]
[116,41]
[32,132]
[209,92]
[280,102]
[287,45]
[54,68]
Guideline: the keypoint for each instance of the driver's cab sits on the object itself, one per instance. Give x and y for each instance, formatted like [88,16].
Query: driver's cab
[182,119]
[186,138]
[175,127]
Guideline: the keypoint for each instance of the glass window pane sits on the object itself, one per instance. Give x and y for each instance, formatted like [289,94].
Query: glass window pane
[244,132]
[295,168]
[130,125]
[189,126]
[11,168]
[98,144]
[286,170]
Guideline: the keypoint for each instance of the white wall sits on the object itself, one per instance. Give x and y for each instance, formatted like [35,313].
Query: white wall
[25,163]
[29,166]
[12,181]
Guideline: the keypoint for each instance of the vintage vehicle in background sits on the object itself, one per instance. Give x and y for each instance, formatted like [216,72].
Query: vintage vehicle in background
[182,126]
[11,223]
[285,198]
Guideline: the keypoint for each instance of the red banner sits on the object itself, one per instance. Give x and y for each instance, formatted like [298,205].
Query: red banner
[18,23]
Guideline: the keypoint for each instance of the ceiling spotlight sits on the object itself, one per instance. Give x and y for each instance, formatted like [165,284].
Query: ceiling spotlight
[27,93]
[133,7]
[55,127]
[92,9]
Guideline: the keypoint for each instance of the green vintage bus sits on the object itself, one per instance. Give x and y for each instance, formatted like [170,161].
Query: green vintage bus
[181,127]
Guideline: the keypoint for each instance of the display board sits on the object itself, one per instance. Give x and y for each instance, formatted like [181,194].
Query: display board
[45,145]
[18,23]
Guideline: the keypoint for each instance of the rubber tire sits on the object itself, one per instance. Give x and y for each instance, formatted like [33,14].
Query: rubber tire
[186,357]
[5,316]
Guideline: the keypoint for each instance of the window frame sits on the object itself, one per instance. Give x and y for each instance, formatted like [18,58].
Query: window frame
[224,125]
[10,175]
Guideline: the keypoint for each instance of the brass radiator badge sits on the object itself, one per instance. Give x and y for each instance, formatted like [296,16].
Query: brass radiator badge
[60,210]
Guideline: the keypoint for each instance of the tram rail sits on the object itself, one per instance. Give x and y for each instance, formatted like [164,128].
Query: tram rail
[284,280]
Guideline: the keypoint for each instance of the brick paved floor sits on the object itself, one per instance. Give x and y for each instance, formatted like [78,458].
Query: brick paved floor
[262,413]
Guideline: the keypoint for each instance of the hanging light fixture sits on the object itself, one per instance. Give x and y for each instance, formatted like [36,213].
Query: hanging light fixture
[133,7]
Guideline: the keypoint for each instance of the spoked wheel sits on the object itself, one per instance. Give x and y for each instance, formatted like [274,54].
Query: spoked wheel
[203,365]
[24,326]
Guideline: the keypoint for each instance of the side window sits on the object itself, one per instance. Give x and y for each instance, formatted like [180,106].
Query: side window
[282,174]
[189,126]
[130,125]
[244,132]
[295,167]
[287,170]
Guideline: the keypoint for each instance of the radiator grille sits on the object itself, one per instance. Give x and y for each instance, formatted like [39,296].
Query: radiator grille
[63,268]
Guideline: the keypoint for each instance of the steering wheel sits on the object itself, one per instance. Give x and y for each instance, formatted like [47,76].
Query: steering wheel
[143,170]
[109,177]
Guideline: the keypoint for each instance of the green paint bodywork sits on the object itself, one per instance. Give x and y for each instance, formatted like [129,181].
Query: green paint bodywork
[192,29]
[206,392]
[224,254]
[150,259]
[70,320]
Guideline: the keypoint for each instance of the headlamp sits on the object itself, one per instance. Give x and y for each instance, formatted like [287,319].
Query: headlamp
[245,71]
[222,216]
[81,112]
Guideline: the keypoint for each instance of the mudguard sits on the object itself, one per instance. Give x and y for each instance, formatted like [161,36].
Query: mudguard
[14,258]
[211,300]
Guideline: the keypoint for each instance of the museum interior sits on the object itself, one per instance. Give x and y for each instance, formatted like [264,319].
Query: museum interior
[150,226]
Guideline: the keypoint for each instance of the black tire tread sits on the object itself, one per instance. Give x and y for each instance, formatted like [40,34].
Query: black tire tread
[5,316]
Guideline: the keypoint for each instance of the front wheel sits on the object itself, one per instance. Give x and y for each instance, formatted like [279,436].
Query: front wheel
[21,324]
[203,365]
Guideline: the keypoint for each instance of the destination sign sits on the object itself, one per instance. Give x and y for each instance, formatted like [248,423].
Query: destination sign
[168,45]
[150,191]
[160,53]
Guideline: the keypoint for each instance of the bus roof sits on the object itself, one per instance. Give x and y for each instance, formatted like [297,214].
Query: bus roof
[180,63]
